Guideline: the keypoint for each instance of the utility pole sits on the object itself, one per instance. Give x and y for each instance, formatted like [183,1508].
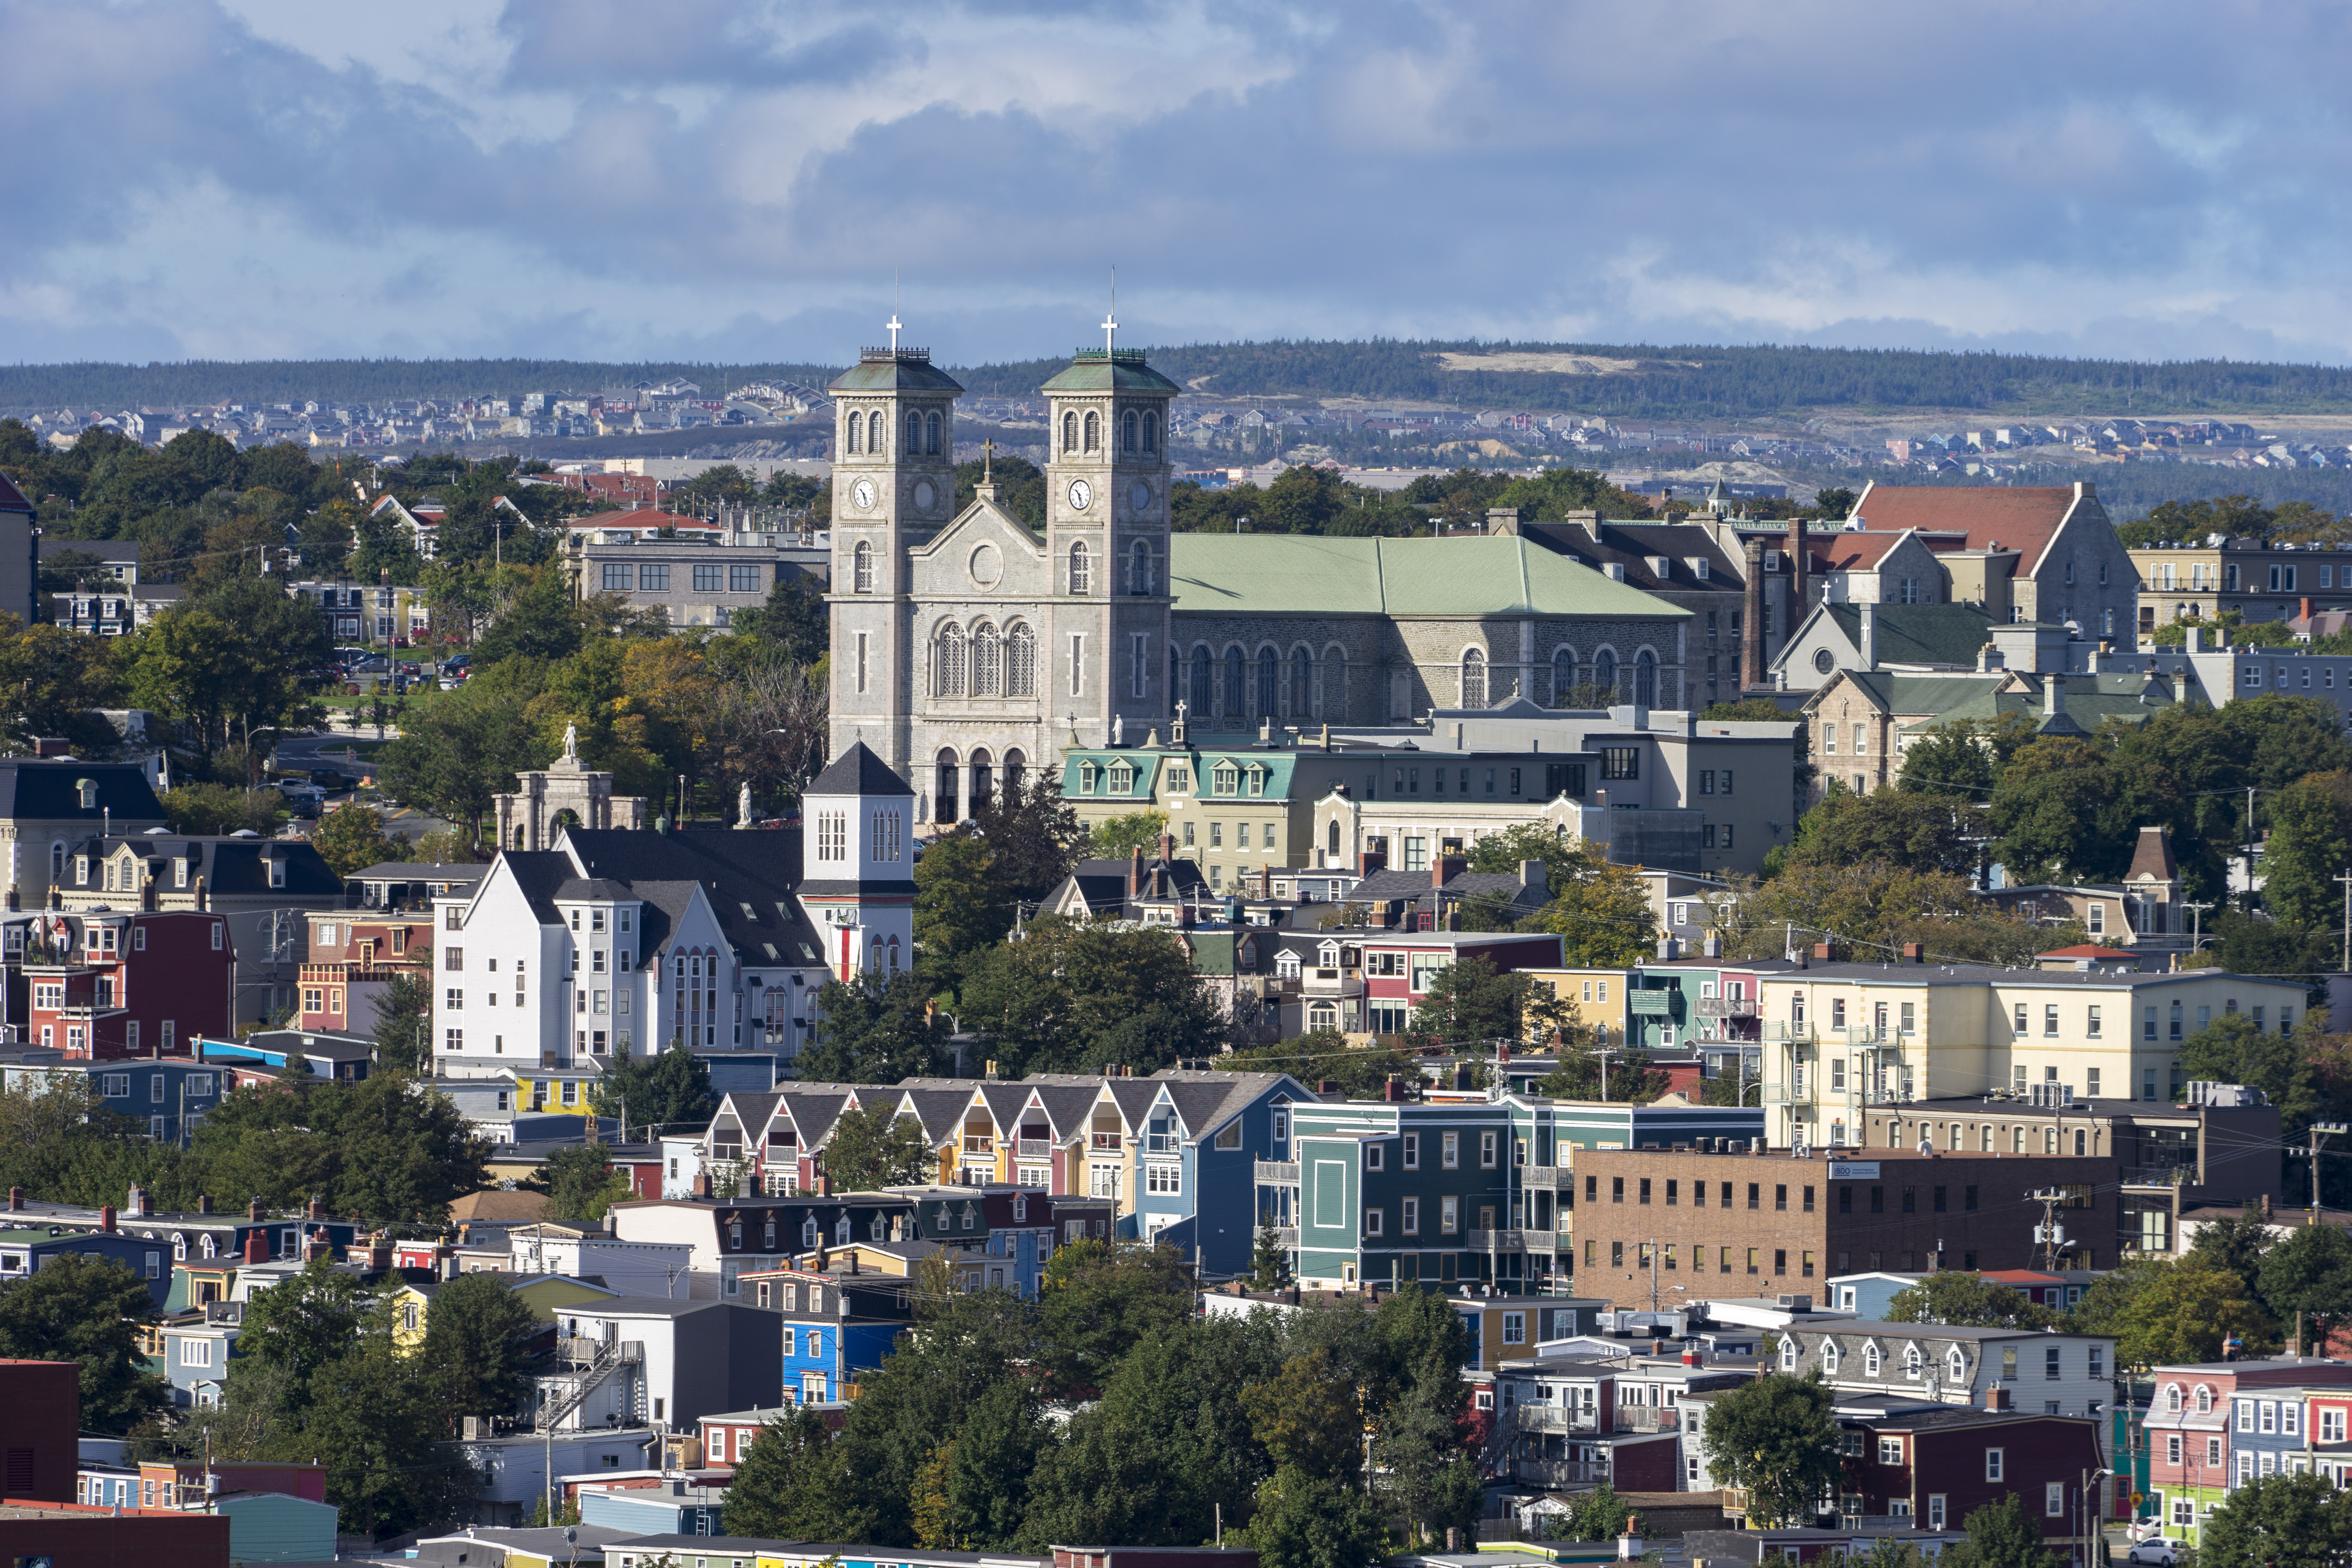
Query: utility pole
[2048,1233]
[2318,1130]
[2346,879]
[2195,935]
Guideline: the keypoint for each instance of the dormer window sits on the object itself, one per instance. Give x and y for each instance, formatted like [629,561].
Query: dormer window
[1328,955]
[277,870]
[1227,778]
[87,789]
[1830,1357]
[1871,1361]
[1087,771]
[1122,779]
[1955,1364]
[82,870]
[1286,964]
[180,872]
[1256,780]
[1911,1362]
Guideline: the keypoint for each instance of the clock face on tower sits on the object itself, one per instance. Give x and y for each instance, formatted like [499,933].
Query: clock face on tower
[861,495]
[1081,495]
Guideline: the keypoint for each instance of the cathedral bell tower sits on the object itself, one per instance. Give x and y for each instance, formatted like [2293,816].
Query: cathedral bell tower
[1106,529]
[893,489]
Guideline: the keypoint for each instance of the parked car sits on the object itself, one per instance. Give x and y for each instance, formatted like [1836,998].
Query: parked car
[2155,1553]
[331,779]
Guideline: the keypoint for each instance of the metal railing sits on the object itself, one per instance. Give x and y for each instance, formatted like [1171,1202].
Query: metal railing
[1647,1418]
[1282,1172]
[1503,1240]
[1033,1148]
[1785,1030]
[1559,1472]
[1557,1418]
[1726,1007]
[1285,1235]
[569,1391]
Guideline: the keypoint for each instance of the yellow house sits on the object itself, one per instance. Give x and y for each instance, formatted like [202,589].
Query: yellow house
[1841,1037]
[412,1304]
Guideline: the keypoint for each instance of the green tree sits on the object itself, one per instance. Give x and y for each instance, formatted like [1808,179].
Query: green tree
[1324,1056]
[477,1343]
[1970,1300]
[1625,1078]
[782,1489]
[1269,1259]
[380,1431]
[403,1023]
[872,1147]
[1077,997]
[2279,1521]
[1032,833]
[1305,1520]
[214,808]
[2307,1279]
[669,1088]
[385,1148]
[2162,1312]
[792,619]
[580,1182]
[962,908]
[1306,1416]
[351,837]
[1600,912]
[1901,827]
[2003,1535]
[299,1329]
[85,1309]
[540,621]
[1470,1003]
[1774,1439]
[1115,837]
[876,1028]
[2310,843]
[1426,1473]
[2234,1050]
[1963,759]
[1099,1298]
[452,756]
[985,1478]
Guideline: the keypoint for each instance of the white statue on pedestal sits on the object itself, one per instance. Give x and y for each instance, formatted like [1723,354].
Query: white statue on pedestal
[571,743]
[1119,729]
[743,805]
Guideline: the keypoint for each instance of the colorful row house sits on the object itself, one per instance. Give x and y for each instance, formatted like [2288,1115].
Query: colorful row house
[2214,1426]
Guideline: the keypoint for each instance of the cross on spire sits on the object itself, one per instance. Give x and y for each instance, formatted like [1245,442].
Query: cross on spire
[893,324]
[987,461]
[1109,325]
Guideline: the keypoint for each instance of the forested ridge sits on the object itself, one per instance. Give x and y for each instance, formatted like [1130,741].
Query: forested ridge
[1690,382]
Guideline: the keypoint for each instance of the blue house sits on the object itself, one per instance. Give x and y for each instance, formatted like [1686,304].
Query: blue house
[169,1095]
[24,1249]
[1201,1137]
[1867,1296]
[836,1324]
[676,1508]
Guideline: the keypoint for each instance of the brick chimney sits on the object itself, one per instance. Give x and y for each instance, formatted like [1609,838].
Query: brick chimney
[1821,950]
[257,1246]
[16,1200]
[1751,625]
[1796,571]
[1168,847]
[203,899]
[1445,868]
[138,1206]
[105,1219]
[317,1209]
[1371,860]
[1135,872]
[2306,608]
[204,1203]
[1996,1397]
[255,1213]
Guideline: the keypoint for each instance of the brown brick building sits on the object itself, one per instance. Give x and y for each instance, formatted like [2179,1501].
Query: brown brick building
[1749,1225]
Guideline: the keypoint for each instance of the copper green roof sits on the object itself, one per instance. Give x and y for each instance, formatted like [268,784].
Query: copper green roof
[1920,634]
[1491,574]
[894,370]
[1122,370]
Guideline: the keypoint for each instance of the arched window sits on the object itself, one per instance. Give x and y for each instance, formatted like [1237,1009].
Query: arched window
[2172,1399]
[987,662]
[1237,683]
[1069,432]
[1269,670]
[950,662]
[2204,1400]
[875,441]
[1604,676]
[930,437]
[1138,568]
[1204,684]
[1151,432]
[1094,431]
[1019,666]
[944,810]
[863,577]
[914,433]
[1645,678]
[1333,834]
[1563,677]
[1829,1357]
[984,780]
[1302,684]
[1474,678]
[1016,767]
[851,430]
[1984,1139]
[1127,432]
[1081,576]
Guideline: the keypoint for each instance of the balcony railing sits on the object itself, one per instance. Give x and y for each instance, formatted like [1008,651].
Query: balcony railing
[1559,1472]
[1279,1172]
[1544,1178]
[1785,1030]
[1511,1240]
[1285,1235]
[1557,1418]
[1332,982]
[1726,1007]
[1033,1148]
[1646,1418]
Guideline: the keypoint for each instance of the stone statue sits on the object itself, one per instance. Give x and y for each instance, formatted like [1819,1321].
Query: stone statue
[743,805]
[572,742]
[1119,729]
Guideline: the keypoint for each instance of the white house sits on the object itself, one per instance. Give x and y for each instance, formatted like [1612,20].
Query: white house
[1990,1369]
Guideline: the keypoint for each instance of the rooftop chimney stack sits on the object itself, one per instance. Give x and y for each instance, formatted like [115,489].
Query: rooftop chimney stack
[1796,571]
[1751,626]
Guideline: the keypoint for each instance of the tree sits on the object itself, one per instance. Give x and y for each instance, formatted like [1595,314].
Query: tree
[876,1028]
[1871,911]
[792,618]
[1115,837]
[403,1023]
[1775,1439]
[2307,1277]
[1901,827]
[1469,1004]
[2279,1521]
[298,1329]
[962,908]
[2162,1312]
[381,1433]
[454,755]
[2003,1535]
[1307,1418]
[782,1489]
[1032,833]
[2310,843]
[669,1088]
[1324,1056]
[84,1309]
[477,1343]
[872,1147]
[2234,1050]
[580,1182]
[1968,1300]
[540,621]
[1600,912]
[1584,1074]
[351,837]
[213,808]
[1099,1298]
[1420,1454]
[385,1148]
[1269,1259]
[1962,759]
[1079,996]
[1304,1520]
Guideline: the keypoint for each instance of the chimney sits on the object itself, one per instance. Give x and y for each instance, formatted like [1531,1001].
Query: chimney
[2054,686]
[204,899]
[105,1219]
[702,1183]
[1915,952]
[255,1212]
[1751,626]
[1445,868]
[138,1206]
[1168,847]
[204,1203]
[1533,876]
[1796,570]
[1371,860]
[1869,635]
[2305,615]
[1135,872]
[257,1246]
[449,1267]
[2266,1207]
[1821,950]
[317,1210]
[16,1200]
[1326,1086]
[1713,947]
[2196,640]
[1392,1088]
[1669,949]
[317,1246]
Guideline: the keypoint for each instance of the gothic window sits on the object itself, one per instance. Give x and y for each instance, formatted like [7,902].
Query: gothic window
[914,433]
[1151,432]
[874,433]
[851,431]
[1094,431]
[1127,432]
[987,662]
[950,681]
[1473,680]
[1081,570]
[1138,568]
[1236,690]
[1203,681]
[1020,668]
[944,803]
[1645,678]
[1331,835]
[1563,677]
[1016,769]
[931,435]
[1267,683]
[863,574]
[1604,675]
[1069,432]
[1302,679]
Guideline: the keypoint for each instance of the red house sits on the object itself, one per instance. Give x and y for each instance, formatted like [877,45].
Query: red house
[1930,1468]
[354,962]
[1398,965]
[103,986]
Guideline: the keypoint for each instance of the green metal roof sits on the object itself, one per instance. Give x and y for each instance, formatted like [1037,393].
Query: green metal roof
[1491,574]
[1122,370]
[1920,634]
[2088,700]
[894,370]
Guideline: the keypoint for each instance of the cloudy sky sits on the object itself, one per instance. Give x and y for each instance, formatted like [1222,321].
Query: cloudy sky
[694,179]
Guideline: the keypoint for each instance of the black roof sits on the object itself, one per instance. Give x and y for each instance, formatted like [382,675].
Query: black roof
[46,790]
[750,878]
[231,865]
[858,771]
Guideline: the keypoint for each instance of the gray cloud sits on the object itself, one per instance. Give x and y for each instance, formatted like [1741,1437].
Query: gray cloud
[604,178]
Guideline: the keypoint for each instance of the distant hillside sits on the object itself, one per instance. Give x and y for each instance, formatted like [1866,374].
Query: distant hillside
[1697,383]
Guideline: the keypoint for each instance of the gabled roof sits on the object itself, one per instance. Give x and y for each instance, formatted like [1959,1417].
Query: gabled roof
[1632,544]
[11,497]
[1848,550]
[858,771]
[2024,518]
[750,880]
[1918,634]
[232,866]
[937,1105]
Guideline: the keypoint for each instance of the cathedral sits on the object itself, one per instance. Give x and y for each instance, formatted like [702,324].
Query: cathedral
[968,648]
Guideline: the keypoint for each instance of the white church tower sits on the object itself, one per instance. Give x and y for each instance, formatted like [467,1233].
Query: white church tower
[857,861]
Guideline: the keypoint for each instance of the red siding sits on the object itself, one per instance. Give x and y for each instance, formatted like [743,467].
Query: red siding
[1647,1465]
[97,1538]
[43,1399]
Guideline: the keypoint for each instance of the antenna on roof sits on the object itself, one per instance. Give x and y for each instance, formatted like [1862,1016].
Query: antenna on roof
[1110,317]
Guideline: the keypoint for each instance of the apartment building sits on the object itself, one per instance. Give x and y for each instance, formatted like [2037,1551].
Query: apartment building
[2196,580]
[1841,1037]
[1650,1223]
